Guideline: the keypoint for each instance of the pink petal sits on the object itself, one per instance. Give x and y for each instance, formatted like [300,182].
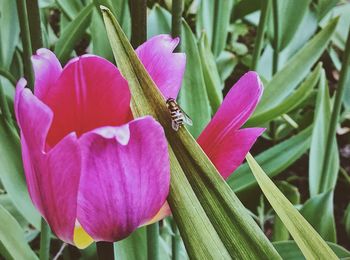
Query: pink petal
[165,67]
[90,93]
[229,152]
[52,177]
[236,108]
[125,178]
[47,69]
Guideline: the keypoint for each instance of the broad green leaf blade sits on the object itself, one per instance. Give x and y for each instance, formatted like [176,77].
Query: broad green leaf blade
[291,192]
[133,247]
[291,102]
[12,175]
[223,9]
[226,62]
[284,81]
[73,33]
[273,161]
[210,72]
[100,43]
[9,32]
[347,220]
[324,6]
[193,94]
[234,232]
[193,223]
[320,181]
[12,237]
[319,212]
[158,21]
[290,16]
[213,17]
[290,251]
[69,8]
[307,239]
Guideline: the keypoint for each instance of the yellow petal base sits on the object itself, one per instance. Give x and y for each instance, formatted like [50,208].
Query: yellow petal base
[81,239]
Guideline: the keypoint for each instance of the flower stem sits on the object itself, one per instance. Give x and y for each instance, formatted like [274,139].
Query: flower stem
[175,241]
[45,240]
[105,250]
[138,13]
[176,12]
[153,241]
[336,111]
[34,24]
[265,6]
[26,42]
[276,36]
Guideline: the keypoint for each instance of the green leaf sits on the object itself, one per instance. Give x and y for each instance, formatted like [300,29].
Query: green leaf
[347,220]
[320,181]
[73,33]
[9,32]
[290,251]
[213,17]
[226,62]
[210,72]
[291,192]
[284,81]
[324,6]
[12,237]
[290,15]
[212,221]
[11,173]
[100,43]
[318,210]
[307,239]
[290,103]
[69,8]
[273,161]
[133,247]
[243,8]
[158,21]
[193,94]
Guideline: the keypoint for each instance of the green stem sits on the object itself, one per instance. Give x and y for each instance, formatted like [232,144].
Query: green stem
[45,237]
[153,241]
[26,42]
[336,111]
[265,6]
[176,12]
[138,13]
[276,35]
[105,250]
[34,24]
[175,241]
[8,76]
[5,111]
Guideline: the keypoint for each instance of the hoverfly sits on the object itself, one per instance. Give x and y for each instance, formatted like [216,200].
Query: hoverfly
[178,116]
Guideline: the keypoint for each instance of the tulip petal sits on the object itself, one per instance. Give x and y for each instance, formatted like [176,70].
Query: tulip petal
[236,108]
[228,153]
[52,177]
[90,93]
[125,178]
[165,67]
[47,70]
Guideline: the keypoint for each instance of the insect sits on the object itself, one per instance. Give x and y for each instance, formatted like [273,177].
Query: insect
[178,116]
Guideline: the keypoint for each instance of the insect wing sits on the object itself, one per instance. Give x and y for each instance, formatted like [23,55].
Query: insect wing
[186,118]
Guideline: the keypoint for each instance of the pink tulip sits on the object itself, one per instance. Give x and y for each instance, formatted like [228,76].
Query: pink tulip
[91,169]
[89,166]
